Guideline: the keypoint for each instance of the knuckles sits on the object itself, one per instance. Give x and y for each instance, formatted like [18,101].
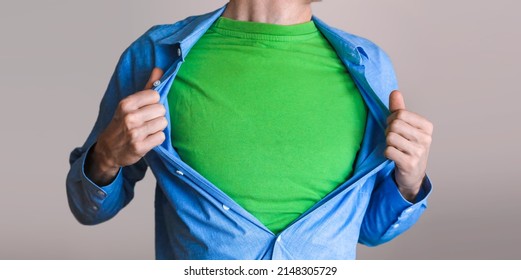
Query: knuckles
[133,145]
[391,137]
[161,137]
[162,109]
[127,124]
[125,104]
[156,96]
[129,120]
[395,125]
[429,126]
[417,152]
[159,109]
[388,153]
[137,147]
[164,122]
[426,140]
[158,138]
[133,133]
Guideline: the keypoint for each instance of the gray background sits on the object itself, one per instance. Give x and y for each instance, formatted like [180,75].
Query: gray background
[457,63]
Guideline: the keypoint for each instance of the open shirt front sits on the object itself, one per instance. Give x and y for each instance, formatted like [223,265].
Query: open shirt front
[196,220]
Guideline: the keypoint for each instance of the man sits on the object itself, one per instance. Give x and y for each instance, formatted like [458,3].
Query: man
[267,132]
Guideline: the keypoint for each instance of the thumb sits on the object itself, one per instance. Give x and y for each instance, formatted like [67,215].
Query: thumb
[396,101]
[156,74]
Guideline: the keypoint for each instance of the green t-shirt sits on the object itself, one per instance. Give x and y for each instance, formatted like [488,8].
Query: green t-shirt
[268,114]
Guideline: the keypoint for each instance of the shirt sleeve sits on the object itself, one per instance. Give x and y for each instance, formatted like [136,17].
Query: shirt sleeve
[90,203]
[389,214]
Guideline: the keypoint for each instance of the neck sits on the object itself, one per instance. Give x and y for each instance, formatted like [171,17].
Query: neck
[283,12]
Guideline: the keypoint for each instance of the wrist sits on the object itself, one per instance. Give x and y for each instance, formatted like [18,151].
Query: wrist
[408,194]
[409,191]
[102,159]
[99,167]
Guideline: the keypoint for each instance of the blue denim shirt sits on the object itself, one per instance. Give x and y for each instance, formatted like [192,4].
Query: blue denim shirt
[196,220]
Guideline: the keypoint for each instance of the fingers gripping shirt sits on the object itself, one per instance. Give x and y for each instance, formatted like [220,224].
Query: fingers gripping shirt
[268,114]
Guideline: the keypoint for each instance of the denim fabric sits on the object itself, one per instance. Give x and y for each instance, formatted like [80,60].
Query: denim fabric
[195,220]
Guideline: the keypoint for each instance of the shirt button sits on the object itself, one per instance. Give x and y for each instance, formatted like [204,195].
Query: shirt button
[101,193]
[408,210]
[279,238]
[395,226]
[94,207]
[179,52]
[226,207]
[157,83]
[179,172]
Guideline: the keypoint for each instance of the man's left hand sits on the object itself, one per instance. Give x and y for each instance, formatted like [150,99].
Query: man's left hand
[409,137]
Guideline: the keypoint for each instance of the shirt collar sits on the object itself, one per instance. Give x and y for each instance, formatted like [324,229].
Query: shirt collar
[185,38]
[196,26]
[346,45]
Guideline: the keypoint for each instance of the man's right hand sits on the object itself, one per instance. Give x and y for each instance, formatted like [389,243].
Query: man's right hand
[136,128]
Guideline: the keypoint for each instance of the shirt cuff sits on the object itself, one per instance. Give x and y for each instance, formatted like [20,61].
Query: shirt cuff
[407,212]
